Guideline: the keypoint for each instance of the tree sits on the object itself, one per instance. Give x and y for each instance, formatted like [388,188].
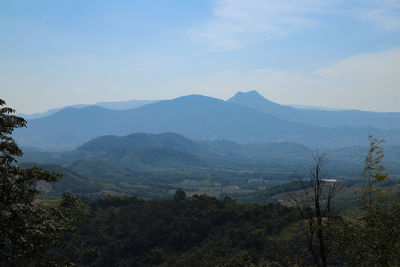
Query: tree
[179,195]
[371,237]
[313,199]
[374,172]
[28,231]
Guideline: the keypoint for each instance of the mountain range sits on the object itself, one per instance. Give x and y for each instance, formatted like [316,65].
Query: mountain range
[120,105]
[150,152]
[318,117]
[153,164]
[171,151]
[245,118]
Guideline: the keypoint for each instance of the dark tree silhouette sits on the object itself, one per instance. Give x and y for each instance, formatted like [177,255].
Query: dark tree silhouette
[313,199]
[179,194]
[28,231]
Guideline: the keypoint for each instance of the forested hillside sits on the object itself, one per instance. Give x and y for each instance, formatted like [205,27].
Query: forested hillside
[154,165]
[196,231]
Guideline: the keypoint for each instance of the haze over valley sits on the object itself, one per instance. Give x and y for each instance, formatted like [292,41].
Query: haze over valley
[200,144]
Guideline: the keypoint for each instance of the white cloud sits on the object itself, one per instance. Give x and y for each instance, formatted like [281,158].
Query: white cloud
[383,14]
[365,81]
[382,19]
[235,23]
[373,73]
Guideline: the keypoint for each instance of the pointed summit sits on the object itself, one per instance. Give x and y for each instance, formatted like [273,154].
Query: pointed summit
[250,99]
[247,95]
[255,100]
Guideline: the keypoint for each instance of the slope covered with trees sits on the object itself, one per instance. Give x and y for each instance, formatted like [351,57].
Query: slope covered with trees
[197,231]
[153,165]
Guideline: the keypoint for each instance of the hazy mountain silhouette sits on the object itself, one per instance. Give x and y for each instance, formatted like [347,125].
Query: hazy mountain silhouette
[318,117]
[118,105]
[194,116]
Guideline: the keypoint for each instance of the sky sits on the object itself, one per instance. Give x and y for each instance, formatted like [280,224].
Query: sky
[330,53]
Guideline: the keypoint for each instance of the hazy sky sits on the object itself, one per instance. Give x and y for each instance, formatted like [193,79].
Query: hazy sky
[342,54]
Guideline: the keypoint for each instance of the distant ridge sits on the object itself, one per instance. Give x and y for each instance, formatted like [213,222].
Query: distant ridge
[316,107]
[318,117]
[117,105]
[253,99]
[165,151]
[118,156]
[245,118]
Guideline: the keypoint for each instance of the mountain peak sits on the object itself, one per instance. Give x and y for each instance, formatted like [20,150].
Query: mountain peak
[252,93]
[254,100]
[249,96]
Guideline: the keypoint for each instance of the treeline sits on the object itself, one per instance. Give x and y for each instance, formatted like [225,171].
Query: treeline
[195,231]
[206,231]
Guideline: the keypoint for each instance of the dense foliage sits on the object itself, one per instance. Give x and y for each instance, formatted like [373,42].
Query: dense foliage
[372,236]
[195,231]
[28,231]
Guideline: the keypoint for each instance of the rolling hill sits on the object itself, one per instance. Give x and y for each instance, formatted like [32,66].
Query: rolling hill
[171,151]
[151,165]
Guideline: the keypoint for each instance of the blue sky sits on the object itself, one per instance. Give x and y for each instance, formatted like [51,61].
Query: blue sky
[341,54]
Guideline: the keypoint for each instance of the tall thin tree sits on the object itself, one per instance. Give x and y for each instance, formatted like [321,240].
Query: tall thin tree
[313,199]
